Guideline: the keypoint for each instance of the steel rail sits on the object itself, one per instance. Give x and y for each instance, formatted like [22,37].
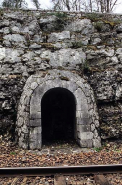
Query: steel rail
[43,171]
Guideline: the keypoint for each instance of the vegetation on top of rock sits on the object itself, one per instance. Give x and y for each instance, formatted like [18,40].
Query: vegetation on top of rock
[61,15]
[94,16]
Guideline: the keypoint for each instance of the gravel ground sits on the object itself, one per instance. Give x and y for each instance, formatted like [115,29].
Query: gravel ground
[58,155]
[110,179]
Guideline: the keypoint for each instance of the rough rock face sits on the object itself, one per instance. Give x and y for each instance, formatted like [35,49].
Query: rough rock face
[11,87]
[68,58]
[84,26]
[89,44]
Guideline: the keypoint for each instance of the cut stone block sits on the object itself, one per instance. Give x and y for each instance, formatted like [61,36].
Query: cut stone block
[86,143]
[35,123]
[83,128]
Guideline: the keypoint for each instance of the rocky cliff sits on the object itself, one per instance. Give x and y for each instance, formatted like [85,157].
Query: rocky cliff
[89,44]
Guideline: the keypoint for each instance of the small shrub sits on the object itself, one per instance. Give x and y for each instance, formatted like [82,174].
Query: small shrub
[10,31]
[61,15]
[13,153]
[1,12]
[98,26]
[77,45]
[86,67]
[98,149]
[57,14]
[93,16]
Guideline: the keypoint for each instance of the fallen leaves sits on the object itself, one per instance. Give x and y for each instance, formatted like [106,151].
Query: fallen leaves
[8,159]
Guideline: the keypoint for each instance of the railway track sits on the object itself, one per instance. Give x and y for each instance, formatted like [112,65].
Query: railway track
[59,175]
[42,171]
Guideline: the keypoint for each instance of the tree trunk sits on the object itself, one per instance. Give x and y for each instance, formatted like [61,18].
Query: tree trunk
[67,5]
[90,5]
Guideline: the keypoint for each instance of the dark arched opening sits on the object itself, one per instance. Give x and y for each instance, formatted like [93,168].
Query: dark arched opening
[58,108]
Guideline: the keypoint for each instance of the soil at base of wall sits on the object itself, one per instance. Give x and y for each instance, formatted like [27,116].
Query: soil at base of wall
[56,155]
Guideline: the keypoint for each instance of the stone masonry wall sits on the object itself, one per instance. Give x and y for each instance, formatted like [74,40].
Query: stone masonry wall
[87,44]
[29,118]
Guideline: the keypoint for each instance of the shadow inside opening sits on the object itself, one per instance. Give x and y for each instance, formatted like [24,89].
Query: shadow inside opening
[58,108]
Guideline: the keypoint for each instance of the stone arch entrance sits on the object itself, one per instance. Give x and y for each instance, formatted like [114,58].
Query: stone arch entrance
[29,119]
[58,108]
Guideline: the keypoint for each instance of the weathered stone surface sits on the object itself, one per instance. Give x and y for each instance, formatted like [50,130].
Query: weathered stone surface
[13,56]
[14,15]
[24,129]
[34,85]
[92,127]
[84,25]
[96,41]
[14,38]
[103,53]
[38,38]
[21,143]
[28,56]
[35,138]
[50,23]
[88,143]
[96,142]
[20,121]
[85,136]
[48,20]
[6,105]
[6,30]
[4,23]
[35,46]
[111,120]
[2,53]
[83,128]
[119,28]
[119,92]
[65,57]
[15,29]
[119,51]
[106,85]
[34,26]
[56,37]
[35,123]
